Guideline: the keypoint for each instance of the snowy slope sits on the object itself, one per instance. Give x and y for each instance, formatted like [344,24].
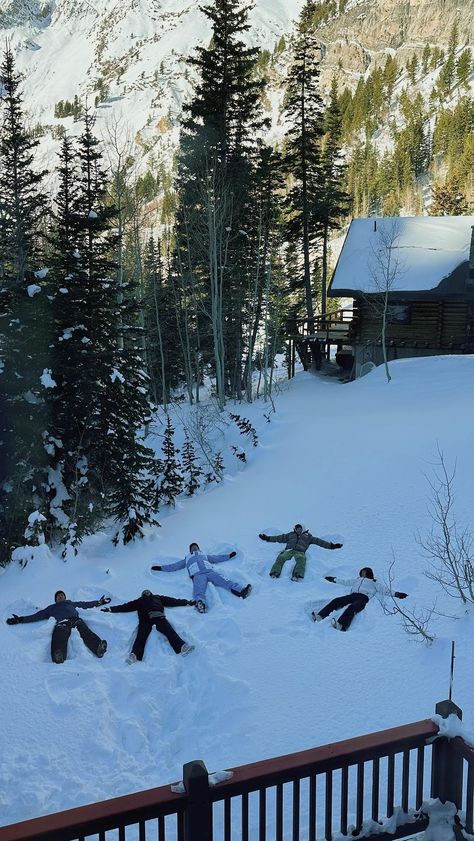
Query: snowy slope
[348,461]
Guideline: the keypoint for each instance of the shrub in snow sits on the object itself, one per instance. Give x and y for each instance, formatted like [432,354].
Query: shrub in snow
[246,428]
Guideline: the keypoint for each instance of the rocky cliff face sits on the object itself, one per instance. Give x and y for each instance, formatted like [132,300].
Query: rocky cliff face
[368,29]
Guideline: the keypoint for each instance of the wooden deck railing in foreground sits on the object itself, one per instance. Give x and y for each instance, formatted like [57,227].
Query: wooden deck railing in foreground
[371,784]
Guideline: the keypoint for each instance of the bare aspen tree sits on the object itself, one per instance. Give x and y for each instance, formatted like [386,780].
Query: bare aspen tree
[119,146]
[415,621]
[449,546]
[385,268]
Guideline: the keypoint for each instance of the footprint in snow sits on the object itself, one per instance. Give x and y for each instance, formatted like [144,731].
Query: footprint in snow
[133,738]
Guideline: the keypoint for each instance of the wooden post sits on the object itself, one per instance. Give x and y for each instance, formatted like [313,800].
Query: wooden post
[447,764]
[198,815]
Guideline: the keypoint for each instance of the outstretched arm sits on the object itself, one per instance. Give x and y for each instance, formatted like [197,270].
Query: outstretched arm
[95,603]
[171,567]
[278,538]
[35,617]
[325,544]
[127,607]
[170,601]
[348,582]
[219,559]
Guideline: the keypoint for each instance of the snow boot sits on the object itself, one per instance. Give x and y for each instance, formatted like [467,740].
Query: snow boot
[242,593]
[58,657]
[296,576]
[274,574]
[101,648]
[316,617]
[186,649]
[200,606]
[337,625]
[131,659]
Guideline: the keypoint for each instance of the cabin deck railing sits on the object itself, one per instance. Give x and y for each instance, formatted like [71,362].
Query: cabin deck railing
[374,784]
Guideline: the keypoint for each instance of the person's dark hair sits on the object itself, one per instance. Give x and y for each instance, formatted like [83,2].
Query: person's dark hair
[369,573]
[193,544]
[57,594]
[146,593]
[297,526]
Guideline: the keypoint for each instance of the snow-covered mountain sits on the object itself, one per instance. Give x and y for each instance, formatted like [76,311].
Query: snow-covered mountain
[131,54]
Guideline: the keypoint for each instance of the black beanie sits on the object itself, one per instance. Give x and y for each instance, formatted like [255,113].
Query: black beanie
[59,591]
[193,544]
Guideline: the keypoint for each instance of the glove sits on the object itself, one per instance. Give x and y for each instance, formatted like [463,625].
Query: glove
[336,546]
[105,609]
[263,537]
[400,595]
[14,620]
[104,599]
[330,578]
[232,554]
[192,602]
[158,568]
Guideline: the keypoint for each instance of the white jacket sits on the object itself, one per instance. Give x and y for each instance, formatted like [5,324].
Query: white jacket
[367,586]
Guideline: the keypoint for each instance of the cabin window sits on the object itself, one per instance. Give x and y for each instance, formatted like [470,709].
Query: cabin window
[399,314]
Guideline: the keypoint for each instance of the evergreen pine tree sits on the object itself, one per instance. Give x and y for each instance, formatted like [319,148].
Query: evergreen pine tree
[172,480]
[333,200]
[97,358]
[302,162]
[448,199]
[218,140]
[192,470]
[24,307]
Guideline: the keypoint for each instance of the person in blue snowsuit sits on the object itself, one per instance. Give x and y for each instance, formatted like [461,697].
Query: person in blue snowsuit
[199,566]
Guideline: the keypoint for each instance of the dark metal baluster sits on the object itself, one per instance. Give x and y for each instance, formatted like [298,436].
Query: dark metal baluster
[262,815]
[375,788]
[344,797]
[180,826]
[142,831]
[405,779]
[390,784]
[279,812]
[245,817]
[161,829]
[312,808]
[420,770]
[227,819]
[101,836]
[360,796]
[296,810]
[470,799]
[121,833]
[328,808]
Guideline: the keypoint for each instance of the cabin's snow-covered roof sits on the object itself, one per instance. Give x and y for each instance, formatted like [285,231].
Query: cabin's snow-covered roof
[427,249]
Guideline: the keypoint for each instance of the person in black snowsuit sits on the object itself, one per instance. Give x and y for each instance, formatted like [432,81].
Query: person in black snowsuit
[67,618]
[151,612]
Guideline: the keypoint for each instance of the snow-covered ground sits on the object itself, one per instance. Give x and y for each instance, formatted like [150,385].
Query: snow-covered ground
[349,461]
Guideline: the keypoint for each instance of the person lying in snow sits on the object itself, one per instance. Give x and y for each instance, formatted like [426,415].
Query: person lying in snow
[200,570]
[297,542]
[151,612]
[362,589]
[67,618]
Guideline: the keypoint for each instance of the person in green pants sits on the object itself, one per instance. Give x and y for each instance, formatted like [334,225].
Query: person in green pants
[297,542]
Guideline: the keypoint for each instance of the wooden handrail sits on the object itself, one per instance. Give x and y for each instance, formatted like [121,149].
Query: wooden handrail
[97,817]
[325,758]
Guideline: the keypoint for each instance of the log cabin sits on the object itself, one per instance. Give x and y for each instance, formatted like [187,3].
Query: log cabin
[420,272]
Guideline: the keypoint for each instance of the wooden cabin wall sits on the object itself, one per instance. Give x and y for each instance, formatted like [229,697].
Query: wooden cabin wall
[436,323]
